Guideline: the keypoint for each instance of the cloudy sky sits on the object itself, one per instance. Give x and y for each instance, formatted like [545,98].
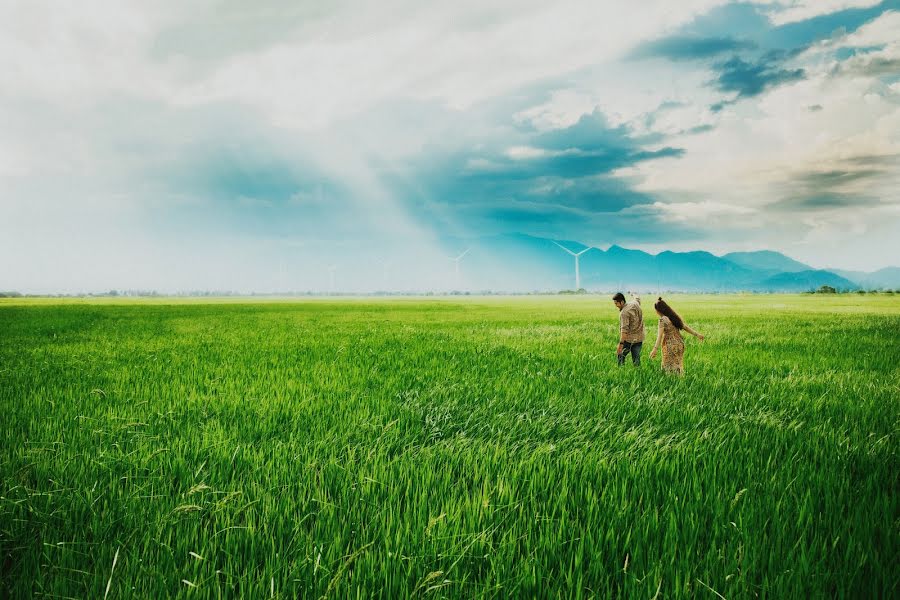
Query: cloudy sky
[233,145]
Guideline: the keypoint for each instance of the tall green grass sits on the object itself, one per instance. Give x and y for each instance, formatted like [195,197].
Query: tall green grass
[447,448]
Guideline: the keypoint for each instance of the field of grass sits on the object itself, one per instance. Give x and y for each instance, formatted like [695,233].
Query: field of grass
[478,447]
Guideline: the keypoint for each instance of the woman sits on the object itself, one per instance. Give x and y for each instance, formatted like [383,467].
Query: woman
[669,336]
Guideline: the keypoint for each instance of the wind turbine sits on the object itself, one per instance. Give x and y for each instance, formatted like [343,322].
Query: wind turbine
[577,255]
[456,264]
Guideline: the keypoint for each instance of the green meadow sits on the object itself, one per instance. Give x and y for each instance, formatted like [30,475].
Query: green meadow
[447,448]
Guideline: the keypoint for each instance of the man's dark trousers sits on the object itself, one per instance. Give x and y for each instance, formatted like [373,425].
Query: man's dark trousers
[634,349]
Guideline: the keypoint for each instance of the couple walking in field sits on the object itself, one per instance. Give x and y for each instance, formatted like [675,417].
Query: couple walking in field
[668,337]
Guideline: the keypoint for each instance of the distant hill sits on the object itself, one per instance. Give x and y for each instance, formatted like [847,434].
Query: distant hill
[519,262]
[767,260]
[887,278]
[805,280]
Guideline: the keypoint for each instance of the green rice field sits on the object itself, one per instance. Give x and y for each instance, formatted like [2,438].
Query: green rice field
[474,447]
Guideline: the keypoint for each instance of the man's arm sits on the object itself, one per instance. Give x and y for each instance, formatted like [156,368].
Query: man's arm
[624,324]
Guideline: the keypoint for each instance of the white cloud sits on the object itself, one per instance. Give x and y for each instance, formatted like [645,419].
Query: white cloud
[800,10]
[61,52]
[419,54]
[562,110]
[882,30]
[530,152]
[525,152]
[697,212]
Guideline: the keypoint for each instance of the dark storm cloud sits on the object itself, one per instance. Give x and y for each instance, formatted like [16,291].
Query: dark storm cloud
[833,189]
[759,52]
[875,67]
[684,47]
[874,160]
[848,52]
[559,180]
[749,22]
[830,179]
[550,219]
[815,202]
[750,79]
[700,129]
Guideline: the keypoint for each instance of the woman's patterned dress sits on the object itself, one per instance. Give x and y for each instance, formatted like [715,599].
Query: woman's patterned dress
[672,347]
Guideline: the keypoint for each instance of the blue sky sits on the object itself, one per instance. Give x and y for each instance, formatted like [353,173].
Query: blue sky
[184,145]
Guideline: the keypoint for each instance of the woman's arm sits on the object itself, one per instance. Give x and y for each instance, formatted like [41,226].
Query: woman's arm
[694,333]
[659,340]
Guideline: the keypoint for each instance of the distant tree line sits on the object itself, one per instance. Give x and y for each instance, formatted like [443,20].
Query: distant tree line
[827,289]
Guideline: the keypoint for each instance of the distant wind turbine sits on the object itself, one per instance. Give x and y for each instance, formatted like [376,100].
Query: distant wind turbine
[577,255]
[456,264]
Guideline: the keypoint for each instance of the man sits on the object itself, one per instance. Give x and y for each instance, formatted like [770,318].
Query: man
[631,329]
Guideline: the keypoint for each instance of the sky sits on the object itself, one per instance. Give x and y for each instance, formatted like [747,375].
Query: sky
[222,144]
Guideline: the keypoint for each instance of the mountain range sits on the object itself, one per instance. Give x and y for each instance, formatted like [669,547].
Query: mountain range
[524,262]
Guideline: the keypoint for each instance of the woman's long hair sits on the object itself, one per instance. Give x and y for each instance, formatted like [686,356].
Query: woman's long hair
[667,311]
